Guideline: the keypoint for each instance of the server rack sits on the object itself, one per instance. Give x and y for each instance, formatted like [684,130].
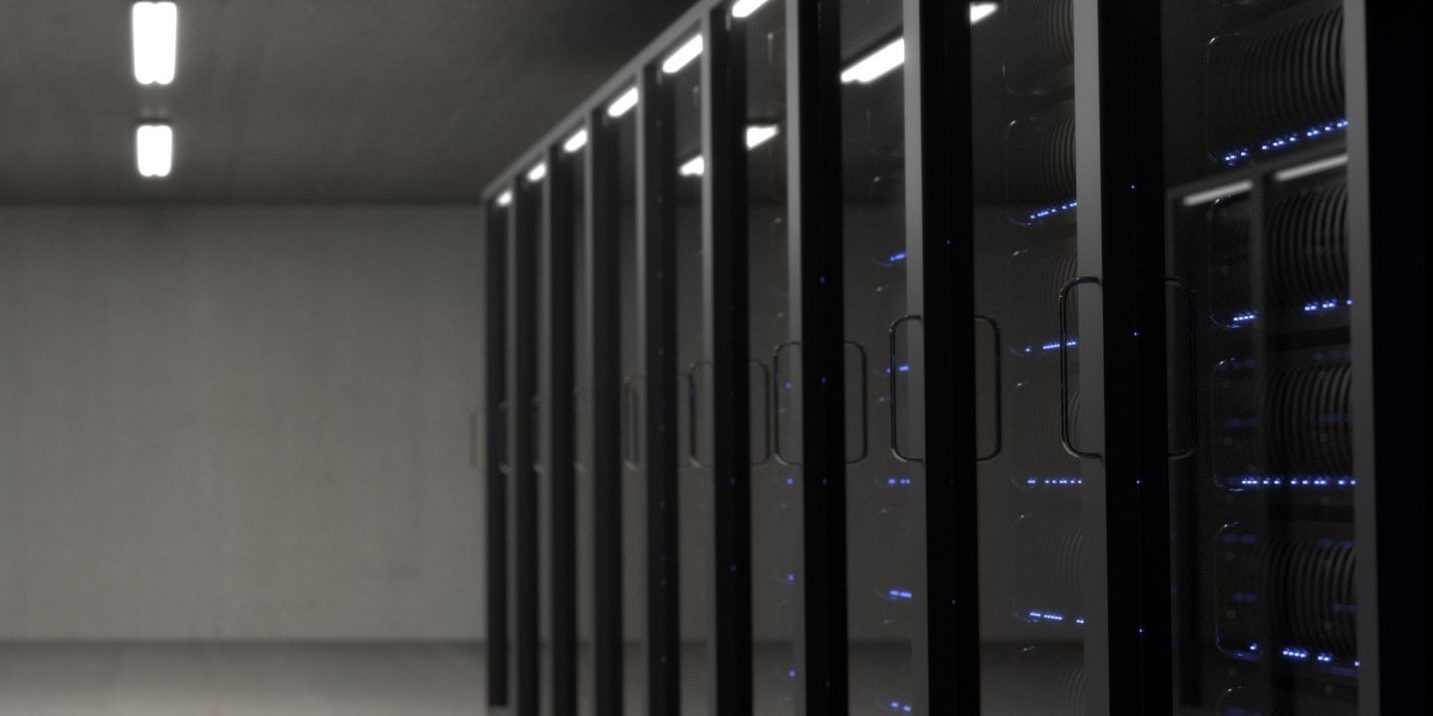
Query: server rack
[1029,156]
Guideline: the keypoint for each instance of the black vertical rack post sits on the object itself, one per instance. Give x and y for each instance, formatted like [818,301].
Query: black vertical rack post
[657,350]
[562,419]
[1387,50]
[603,355]
[940,218]
[726,346]
[495,398]
[527,208]
[814,193]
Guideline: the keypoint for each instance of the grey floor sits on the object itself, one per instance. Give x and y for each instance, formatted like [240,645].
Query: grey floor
[220,680]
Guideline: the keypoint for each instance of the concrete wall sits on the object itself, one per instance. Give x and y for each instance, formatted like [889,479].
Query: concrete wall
[239,423]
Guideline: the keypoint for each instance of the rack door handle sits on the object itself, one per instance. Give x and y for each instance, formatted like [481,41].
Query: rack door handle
[693,414]
[779,377]
[1066,440]
[768,413]
[999,399]
[1192,346]
[864,396]
[892,394]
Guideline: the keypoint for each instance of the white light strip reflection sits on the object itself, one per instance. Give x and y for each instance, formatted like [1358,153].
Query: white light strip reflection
[1303,170]
[156,33]
[981,10]
[576,142]
[759,134]
[537,173]
[154,150]
[624,103]
[1218,192]
[505,198]
[690,50]
[744,8]
[876,64]
[694,168]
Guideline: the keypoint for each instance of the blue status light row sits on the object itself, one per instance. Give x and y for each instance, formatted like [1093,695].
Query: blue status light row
[1050,211]
[1046,616]
[1286,141]
[1315,481]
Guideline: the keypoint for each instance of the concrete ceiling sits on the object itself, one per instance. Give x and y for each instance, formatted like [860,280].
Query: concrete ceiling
[301,101]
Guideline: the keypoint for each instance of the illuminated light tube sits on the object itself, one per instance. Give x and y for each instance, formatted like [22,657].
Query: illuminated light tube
[1219,192]
[1311,168]
[505,198]
[156,39]
[690,50]
[744,8]
[537,173]
[624,103]
[981,10]
[759,134]
[694,167]
[154,150]
[576,142]
[877,64]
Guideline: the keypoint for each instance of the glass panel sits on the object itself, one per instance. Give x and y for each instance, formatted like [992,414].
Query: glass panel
[882,546]
[634,488]
[1259,343]
[495,438]
[775,495]
[1032,605]
[582,403]
[683,90]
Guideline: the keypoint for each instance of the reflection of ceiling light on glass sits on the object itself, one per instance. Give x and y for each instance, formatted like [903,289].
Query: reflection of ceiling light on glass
[690,50]
[156,31]
[576,142]
[744,8]
[981,10]
[505,198]
[624,103]
[759,134]
[694,168]
[537,173]
[154,150]
[877,64]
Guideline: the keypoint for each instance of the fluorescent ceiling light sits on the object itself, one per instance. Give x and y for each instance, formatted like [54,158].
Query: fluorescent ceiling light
[537,173]
[694,168]
[981,10]
[759,134]
[690,50]
[156,30]
[1219,192]
[154,150]
[1312,168]
[505,198]
[576,142]
[877,64]
[624,103]
[744,8]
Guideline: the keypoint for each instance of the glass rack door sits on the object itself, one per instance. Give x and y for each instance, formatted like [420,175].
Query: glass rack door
[1027,250]
[1259,304]
[773,361]
[882,516]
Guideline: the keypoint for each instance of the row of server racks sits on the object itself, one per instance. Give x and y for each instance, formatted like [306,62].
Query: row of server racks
[1015,357]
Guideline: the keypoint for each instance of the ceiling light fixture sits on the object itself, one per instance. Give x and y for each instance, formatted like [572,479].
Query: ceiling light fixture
[505,198]
[624,103]
[154,150]
[744,8]
[156,31]
[694,168]
[537,173]
[875,65]
[576,142]
[759,134]
[690,50]
[981,10]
